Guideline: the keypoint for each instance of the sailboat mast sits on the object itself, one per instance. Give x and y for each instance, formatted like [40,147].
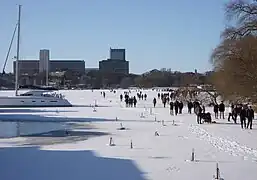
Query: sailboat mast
[18,54]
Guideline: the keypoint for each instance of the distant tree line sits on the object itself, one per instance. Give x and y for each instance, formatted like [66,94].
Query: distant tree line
[96,79]
[153,78]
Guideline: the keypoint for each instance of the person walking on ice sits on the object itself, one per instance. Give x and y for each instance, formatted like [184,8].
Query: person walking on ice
[171,108]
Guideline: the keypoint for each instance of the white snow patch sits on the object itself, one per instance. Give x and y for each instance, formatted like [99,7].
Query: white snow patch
[231,147]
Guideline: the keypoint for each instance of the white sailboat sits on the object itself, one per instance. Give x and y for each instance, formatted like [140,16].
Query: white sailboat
[36,96]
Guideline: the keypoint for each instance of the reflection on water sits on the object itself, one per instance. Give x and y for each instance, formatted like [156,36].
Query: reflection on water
[14,129]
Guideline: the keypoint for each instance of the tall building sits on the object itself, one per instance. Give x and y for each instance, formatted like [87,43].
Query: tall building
[114,66]
[44,57]
[116,63]
[119,54]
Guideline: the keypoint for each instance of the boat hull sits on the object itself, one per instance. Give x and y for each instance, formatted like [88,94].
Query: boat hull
[23,101]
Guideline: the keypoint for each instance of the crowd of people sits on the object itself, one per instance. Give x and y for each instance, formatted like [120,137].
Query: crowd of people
[176,106]
[244,112]
[131,101]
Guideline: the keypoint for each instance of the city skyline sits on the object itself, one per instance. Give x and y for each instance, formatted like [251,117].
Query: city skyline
[178,35]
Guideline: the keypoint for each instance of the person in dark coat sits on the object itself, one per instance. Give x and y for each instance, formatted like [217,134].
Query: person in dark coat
[250,117]
[222,109]
[154,102]
[138,96]
[198,112]
[135,101]
[181,105]
[164,102]
[121,97]
[243,115]
[145,96]
[131,101]
[189,107]
[236,112]
[127,101]
[195,104]
[216,110]
[176,106]
[171,108]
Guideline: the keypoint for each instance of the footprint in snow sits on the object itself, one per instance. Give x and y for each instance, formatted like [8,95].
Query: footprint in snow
[173,168]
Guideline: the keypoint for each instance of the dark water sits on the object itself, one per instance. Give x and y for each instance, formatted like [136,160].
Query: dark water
[14,129]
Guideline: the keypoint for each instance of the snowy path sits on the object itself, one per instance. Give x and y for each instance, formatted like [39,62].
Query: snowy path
[231,147]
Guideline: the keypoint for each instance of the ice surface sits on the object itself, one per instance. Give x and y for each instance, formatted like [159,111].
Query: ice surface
[162,157]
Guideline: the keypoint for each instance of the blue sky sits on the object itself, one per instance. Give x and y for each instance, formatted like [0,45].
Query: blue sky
[176,34]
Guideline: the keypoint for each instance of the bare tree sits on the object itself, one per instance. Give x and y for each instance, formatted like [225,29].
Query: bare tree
[236,68]
[245,14]
[211,95]
[234,59]
[205,94]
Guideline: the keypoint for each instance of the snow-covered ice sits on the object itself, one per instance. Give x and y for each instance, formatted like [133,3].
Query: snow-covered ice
[84,152]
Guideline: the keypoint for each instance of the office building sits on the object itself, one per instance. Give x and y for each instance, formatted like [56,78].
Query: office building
[29,67]
[44,64]
[119,54]
[44,58]
[64,65]
[114,66]
[116,63]
[32,67]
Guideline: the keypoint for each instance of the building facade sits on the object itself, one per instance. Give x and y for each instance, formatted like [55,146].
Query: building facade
[31,67]
[116,63]
[44,64]
[64,65]
[44,58]
[114,66]
[119,54]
